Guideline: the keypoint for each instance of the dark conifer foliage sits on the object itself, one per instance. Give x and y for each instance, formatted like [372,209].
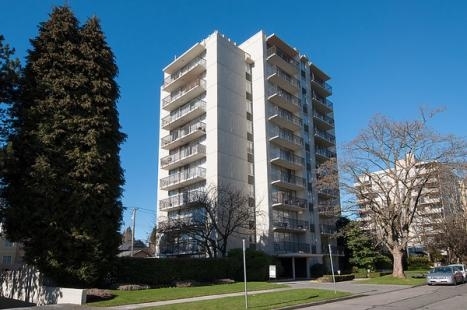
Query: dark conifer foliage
[9,78]
[65,181]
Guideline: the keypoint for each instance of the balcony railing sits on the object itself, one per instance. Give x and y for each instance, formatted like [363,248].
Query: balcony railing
[275,50]
[334,250]
[327,229]
[183,154]
[182,91]
[290,223]
[325,135]
[179,200]
[324,101]
[323,84]
[285,115]
[288,137]
[274,70]
[278,176]
[325,152]
[182,248]
[192,64]
[284,198]
[324,118]
[183,132]
[285,96]
[182,177]
[287,157]
[291,247]
[183,111]
[328,210]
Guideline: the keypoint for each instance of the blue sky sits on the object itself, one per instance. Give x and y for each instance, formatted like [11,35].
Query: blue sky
[388,57]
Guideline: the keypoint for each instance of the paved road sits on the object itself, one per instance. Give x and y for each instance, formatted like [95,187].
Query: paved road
[414,298]
[374,297]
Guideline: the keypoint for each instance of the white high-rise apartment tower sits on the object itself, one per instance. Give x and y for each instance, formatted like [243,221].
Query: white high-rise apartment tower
[255,116]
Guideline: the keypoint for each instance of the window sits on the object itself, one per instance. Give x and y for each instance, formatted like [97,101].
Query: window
[6,260]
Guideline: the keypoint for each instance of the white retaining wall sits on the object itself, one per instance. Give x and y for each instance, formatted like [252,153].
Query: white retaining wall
[25,284]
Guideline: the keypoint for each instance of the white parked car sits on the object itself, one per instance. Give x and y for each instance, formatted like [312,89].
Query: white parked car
[462,269]
[444,275]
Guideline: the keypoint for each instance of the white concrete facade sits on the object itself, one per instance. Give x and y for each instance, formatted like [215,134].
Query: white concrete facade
[255,116]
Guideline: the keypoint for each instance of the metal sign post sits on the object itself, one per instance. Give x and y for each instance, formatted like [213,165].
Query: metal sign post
[244,274]
[332,268]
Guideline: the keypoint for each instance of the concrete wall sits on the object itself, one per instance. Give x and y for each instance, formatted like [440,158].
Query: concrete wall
[25,285]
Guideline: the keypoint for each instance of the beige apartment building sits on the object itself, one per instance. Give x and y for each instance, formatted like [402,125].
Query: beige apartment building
[255,116]
[439,197]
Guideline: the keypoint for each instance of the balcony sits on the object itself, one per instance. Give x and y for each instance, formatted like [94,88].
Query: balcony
[182,179]
[185,74]
[322,104]
[326,229]
[323,121]
[184,157]
[284,138]
[188,248]
[288,181]
[320,86]
[184,114]
[282,79]
[328,210]
[429,200]
[284,118]
[183,95]
[183,135]
[277,57]
[286,159]
[283,99]
[327,194]
[325,137]
[323,154]
[282,247]
[179,201]
[287,224]
[337,251]
[283,201]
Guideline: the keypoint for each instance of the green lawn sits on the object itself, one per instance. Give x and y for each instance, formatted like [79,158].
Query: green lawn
[169,293]
[409,280]
[274,300]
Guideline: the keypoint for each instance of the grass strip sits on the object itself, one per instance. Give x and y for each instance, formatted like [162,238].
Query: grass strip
[389,279]
[274,300]
[170,293]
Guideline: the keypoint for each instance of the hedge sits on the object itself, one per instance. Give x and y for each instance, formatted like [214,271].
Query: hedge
[339,278]
[157,272]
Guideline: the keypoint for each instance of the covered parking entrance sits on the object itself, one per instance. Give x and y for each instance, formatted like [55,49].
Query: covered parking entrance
[296,266]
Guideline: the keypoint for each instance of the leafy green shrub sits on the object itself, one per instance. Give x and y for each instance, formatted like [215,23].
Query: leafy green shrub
[362,274]
[339,278]
[257,264]
[419,263]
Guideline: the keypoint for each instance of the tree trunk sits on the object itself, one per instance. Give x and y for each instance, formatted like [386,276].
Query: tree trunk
[397,267]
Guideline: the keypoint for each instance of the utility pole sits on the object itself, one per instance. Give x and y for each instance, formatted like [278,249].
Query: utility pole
[133,217]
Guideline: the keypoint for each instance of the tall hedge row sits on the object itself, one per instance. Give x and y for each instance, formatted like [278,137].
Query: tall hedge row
[165,271]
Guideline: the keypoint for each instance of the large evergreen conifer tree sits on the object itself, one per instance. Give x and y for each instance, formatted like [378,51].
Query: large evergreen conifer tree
[64,182]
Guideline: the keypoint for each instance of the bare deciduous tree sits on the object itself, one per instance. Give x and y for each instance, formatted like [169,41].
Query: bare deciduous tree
[217,215]
[388,168]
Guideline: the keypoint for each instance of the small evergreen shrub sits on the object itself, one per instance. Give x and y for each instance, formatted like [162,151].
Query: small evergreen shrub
[339,278]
